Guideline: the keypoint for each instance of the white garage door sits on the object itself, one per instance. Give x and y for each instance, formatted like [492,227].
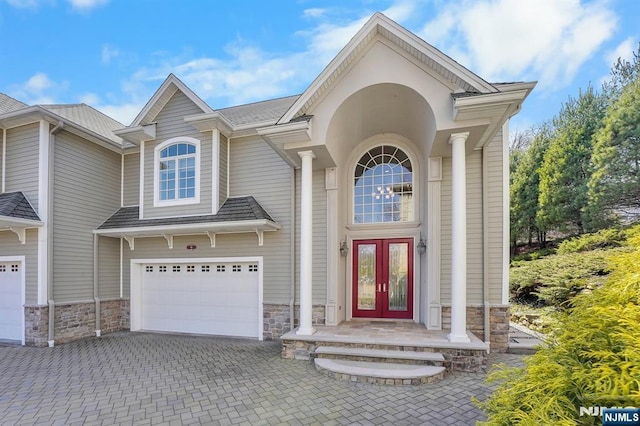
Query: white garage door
[11,301]
[203,298]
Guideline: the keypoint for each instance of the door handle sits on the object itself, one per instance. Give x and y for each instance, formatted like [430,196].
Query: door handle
[384,287]
[379,287]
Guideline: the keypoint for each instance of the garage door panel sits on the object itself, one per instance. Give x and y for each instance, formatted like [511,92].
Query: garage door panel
[212,298]
[11,297]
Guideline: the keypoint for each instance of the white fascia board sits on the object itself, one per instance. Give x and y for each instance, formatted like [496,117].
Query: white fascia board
[192,228]
[12,222]
[137,134]
[210,121]
[478,106]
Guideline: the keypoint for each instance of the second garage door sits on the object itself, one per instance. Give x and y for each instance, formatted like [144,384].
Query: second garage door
[11,301]
[204,298]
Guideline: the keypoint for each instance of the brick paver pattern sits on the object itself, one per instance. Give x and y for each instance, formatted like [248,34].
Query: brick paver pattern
[144,378]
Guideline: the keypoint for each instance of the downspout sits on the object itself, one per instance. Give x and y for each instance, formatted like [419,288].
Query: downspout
[96,243]
[485,251]
[51,302]
[293,251]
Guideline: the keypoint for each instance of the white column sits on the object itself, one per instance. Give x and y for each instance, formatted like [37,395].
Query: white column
[458,239]
[306,243]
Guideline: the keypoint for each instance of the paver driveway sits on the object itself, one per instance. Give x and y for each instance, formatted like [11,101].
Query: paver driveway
[141,378]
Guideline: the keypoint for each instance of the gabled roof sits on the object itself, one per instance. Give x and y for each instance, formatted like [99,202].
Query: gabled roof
[88,117]
[8,104]
[15,205]
[159,99]
[442,65]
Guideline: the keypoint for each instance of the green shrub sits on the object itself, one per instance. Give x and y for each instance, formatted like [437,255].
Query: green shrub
[591,359]
[605,238]
[554,280]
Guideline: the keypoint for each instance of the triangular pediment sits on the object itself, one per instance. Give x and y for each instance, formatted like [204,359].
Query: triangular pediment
[165,92]
[439,65]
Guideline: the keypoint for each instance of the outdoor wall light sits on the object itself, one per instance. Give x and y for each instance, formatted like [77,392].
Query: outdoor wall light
[422,246]
[344,249]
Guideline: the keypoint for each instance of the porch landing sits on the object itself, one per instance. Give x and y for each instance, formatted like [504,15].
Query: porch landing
[389,335]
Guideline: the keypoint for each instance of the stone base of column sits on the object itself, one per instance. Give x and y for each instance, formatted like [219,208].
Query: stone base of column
[458,338]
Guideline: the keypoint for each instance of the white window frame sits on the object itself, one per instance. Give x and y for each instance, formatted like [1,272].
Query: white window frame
[157,202]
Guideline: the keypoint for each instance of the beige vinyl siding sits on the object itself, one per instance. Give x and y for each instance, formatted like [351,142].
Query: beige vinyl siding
[319,237]
[109,268]
[10,246]
[256,170]
[22,161]
[223,169]
[171,124]
[86,191]
[474,229]
[131,187]
[495,217]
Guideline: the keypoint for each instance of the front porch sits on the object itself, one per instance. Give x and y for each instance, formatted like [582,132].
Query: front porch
[397,336]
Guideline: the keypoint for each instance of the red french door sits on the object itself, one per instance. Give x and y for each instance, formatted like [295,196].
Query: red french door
[383,278]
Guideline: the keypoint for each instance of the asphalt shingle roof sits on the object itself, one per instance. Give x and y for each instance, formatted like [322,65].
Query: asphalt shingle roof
[89,118]
[234,209]
[16,205]
[8,104]
[259,111]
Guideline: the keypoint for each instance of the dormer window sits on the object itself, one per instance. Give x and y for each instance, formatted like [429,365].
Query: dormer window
[177,172]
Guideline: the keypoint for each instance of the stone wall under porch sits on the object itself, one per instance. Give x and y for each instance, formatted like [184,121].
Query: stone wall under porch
[498,320]
[277,319]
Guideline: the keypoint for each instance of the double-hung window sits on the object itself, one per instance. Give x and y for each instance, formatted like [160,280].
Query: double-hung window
[177,171]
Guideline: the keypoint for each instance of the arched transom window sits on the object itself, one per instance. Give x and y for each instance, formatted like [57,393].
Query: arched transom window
[383,186]
[177,177]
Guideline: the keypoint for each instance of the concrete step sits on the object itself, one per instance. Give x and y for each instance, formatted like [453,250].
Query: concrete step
[381,373]
[379,355]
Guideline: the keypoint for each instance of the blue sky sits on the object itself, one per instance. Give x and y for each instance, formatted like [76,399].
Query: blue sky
[113,54]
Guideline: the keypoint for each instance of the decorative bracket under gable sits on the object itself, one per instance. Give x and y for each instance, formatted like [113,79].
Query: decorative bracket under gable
[212,238]
[169,239]
[260,234]
[130,241]
[21,233]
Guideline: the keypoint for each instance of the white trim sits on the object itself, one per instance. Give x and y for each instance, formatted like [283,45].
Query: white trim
[390,139]
[333,246]
[141,183]
[215,171]
[121,268]
[156,173]
[43,212]
[433,319]
[23,263]
[505,213]
[306,244]
[228,163]
[135,290]
[122,180]
[4,158]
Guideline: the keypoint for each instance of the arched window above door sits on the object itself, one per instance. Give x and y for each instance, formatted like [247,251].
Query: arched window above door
[383,186]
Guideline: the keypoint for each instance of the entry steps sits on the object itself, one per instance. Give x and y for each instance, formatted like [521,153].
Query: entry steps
[379,366]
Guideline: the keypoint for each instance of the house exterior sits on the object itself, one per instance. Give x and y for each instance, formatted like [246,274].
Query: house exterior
[379,193]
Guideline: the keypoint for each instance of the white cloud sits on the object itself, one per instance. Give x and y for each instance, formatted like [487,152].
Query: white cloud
[624,51]
[86,5]
[503,40]
[108,53]
[38,89]
[314,13]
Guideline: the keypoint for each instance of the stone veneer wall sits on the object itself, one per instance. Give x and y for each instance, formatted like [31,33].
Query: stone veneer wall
[74,321]
[277,319]
[498,324]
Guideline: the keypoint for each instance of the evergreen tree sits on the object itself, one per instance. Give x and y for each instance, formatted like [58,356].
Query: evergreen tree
[566,167]
[615,183]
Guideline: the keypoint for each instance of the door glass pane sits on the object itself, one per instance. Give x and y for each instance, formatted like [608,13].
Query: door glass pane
[398,276]
[367,276]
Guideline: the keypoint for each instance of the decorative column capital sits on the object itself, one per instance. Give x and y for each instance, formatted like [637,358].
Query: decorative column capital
[458,136]
[304,154]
